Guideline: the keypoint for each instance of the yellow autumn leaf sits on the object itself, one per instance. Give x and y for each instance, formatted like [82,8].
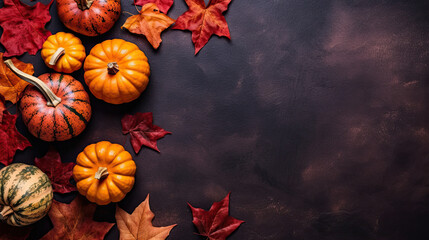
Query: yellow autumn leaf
[149,22]
[138,225]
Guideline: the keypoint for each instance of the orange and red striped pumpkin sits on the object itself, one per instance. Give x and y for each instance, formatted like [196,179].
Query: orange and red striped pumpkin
[89,17]
[56,123]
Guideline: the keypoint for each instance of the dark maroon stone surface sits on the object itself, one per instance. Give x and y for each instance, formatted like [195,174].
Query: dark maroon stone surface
[315,116]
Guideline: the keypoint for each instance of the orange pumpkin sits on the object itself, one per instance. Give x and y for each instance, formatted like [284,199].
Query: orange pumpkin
[55,107]
[89,17]
[104,172]
[63,52]
[116,71]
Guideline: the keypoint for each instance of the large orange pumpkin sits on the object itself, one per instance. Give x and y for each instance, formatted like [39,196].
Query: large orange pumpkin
[104,172]
[116,71]
[55,107]
[89,17]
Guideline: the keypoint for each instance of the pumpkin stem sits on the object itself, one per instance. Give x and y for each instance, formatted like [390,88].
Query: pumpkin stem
[60,51]
[53,100]
[5,212]
[101,173]
[84,4]
[112,68]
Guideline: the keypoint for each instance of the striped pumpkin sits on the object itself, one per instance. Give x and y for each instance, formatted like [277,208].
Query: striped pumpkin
[25,194]
[56,123]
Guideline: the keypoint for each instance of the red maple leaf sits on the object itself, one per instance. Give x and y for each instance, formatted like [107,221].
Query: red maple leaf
[74,221]
[163,5]
[142,131]
[215,224]
[59,173]
[10,139]
[23,27]
[204,21]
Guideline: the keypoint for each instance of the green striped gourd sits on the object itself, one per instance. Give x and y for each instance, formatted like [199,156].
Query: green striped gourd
[25,194]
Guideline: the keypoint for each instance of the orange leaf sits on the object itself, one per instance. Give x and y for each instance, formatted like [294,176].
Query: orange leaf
[11,86]
[74,221]
[138,225]
[204,21]
[150,22]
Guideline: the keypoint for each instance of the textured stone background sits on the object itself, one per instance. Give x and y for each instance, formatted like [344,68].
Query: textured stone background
[315,116]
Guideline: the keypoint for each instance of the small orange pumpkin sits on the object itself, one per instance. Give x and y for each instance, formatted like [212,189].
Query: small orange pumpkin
[104,172]
[116,71]
[63,52]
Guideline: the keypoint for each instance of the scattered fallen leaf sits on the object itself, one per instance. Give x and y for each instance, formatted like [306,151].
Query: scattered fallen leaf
[138,225]
[150,23]
[204,21]
[215,224]
[10,139]
[2,107]
[8,232]
[75,221]
[23,27]
[142,131]
[11,86]
[59,173]
[164,5]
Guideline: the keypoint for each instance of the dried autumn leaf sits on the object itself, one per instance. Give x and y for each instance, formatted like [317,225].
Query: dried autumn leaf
[2,107]
[215,224]
[10,139]
[11,86]
[74,221]
[138,225]
[23,27]
[59,173]
[150,23]
[8,232]
[204,21]
[164,5]
[142,131]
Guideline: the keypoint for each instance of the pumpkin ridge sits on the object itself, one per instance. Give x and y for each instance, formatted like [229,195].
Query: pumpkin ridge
[109,58]
[79,100]
[31,117]
[21,176]
[124,79]
[70,127]
[6,177]
[38,201]
[31,104]
[50,80]
[64,88]
[41,124]
[28,194]
[2,180]
[55,126]
[59,82]
[70,92]
[81,117]
[43,203]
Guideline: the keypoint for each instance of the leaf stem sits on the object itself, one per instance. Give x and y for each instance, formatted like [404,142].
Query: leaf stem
[136,6]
